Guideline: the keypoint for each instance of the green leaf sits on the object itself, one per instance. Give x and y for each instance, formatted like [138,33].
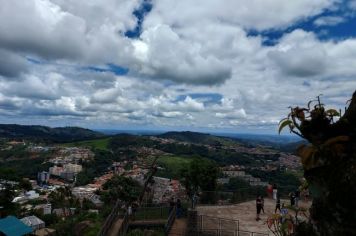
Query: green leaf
[283,124]
[332,112]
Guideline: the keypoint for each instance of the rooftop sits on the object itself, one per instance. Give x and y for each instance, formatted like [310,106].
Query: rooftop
[11,226]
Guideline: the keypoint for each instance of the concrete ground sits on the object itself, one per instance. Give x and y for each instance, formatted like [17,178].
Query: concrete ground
[245,213]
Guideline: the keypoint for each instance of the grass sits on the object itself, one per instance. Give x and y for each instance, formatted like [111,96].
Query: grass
[172,165]
[101,144]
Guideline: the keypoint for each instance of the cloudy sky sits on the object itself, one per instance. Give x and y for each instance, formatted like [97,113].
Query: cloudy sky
[208,65]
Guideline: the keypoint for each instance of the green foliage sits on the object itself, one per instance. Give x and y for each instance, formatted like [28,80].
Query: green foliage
[6,196]
[123,188]
[24,168]
[200,175]
[197,138]
[101,144]
[172,165]
[124,141]
[63,198]
[285,181]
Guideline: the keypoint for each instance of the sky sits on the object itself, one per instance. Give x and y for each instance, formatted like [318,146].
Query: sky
[202,65]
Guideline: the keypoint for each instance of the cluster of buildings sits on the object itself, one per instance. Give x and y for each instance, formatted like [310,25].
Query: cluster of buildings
[241,174]
[67,171]
[68,155]
[30,225]
[65,160]
[289,161]
[165,189]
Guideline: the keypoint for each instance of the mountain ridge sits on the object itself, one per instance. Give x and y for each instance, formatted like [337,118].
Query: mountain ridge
[45,133]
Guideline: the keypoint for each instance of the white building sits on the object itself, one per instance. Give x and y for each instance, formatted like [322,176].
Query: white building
[73,168]
[34,222]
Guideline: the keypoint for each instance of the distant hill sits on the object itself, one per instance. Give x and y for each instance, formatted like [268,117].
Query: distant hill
[195,137]
[44,133]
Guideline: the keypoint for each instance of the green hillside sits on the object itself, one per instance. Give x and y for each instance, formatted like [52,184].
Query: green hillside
[101,144]
[47,134]
[198,138]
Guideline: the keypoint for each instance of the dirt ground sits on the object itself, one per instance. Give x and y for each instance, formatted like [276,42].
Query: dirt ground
[245,213]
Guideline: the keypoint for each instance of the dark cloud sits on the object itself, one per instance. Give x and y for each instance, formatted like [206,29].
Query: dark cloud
[12,65]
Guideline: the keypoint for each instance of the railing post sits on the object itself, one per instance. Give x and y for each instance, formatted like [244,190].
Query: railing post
[219,232]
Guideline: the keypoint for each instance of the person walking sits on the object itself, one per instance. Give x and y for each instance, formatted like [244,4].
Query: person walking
[258,207]
[263,204]
[278,205]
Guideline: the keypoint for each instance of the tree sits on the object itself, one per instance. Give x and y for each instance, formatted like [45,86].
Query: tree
[123,188]
[200,175]
[329,163]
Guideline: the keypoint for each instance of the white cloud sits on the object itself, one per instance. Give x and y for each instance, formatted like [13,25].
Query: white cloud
[162,53]
[203,49]
[255,14]
[329,21]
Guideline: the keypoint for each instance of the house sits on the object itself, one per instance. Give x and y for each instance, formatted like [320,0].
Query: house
[31,195]
[67,212]
[42,177]
[34,222]
[46,209]
[11,226]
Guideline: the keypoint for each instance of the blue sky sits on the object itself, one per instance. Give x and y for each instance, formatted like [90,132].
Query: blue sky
[173,65]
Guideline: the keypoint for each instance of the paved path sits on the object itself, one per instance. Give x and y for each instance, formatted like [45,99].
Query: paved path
[178,228]
[115,228]
[245,213]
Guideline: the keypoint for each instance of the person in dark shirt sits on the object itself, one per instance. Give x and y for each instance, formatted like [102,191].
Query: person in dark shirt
[297,197]
[278,205]
[263,204]
[179,208]
[171,205]
[258,207]
[292,198]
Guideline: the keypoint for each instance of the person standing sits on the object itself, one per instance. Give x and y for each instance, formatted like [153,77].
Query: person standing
[263,204]
[171,205]
[258,207]
[275,192]
[297,197]
[129,211]
[278,205]
[179,208]
[291,198]
[269,190]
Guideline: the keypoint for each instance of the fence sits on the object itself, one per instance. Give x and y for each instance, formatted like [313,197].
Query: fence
[110,220]
[232,197]
[210,225]
[170,221]
[151,213]
[214,232]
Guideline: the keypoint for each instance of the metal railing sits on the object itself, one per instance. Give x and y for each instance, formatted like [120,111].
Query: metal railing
[151,213]
[114,213]
[170,221]
[215,232]
[124,225]
[109,220]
